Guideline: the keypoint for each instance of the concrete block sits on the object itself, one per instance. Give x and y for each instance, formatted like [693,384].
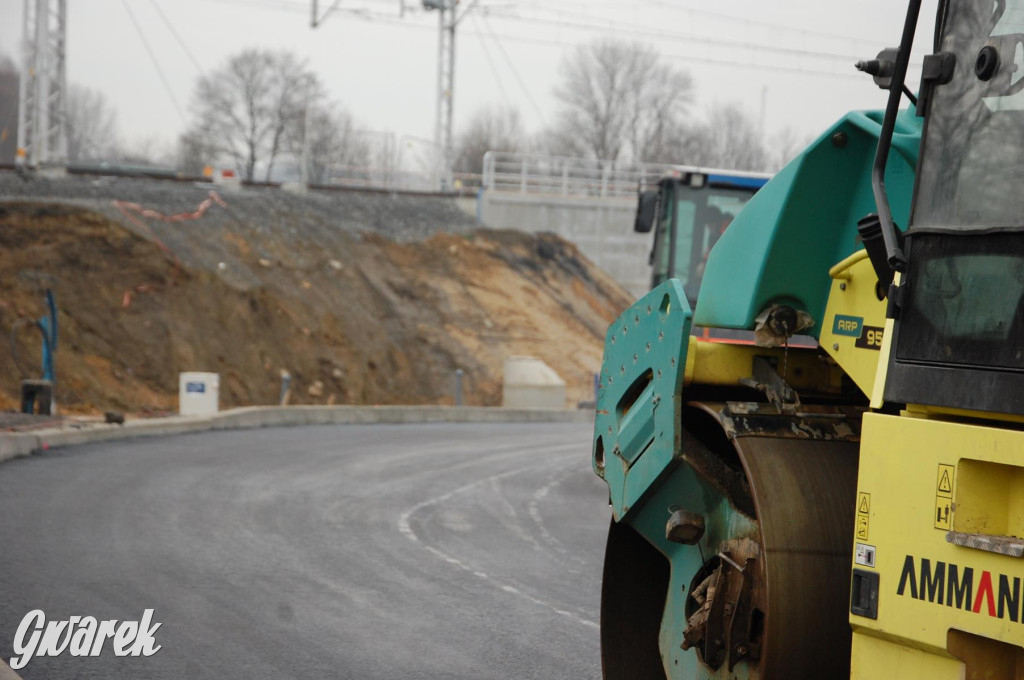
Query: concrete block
[16,444]
[198,393]
[528,381]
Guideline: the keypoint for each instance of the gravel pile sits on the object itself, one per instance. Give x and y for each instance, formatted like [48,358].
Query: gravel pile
[397,217]
[255,225]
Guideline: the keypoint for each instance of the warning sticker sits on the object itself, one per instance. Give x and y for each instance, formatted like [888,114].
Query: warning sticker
[863,512]
[944,483]
[943,513]
[862,527]
[944,479]
[864,555]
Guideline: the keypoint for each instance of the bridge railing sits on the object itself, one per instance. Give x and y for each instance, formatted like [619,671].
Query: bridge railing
[528,173]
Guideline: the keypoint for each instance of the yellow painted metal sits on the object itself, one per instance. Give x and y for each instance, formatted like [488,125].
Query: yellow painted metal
[852,331]
[925,476]
[841,270]
[878,389]
[946,413]
[990,498]
[714,362]
[875,657]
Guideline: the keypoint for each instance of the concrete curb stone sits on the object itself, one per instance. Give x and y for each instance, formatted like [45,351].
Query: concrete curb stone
[15,444]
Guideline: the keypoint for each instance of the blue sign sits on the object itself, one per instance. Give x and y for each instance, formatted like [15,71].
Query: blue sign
[197,387]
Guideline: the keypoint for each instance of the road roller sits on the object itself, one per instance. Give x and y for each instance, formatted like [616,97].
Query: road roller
[813,438]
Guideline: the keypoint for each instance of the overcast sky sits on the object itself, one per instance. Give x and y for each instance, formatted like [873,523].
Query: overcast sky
[790,62]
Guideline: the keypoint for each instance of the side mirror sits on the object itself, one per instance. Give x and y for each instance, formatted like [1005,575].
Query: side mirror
[646,211]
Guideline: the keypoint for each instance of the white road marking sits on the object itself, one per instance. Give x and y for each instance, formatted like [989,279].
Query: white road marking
[405,528]
[533,509]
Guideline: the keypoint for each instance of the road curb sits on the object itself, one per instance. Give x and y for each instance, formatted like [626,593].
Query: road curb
[6,673]
[16,444]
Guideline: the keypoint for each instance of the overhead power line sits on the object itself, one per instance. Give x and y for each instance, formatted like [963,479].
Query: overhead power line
[620,28]
[703,11]
[490,62]
[843,63]
[515,71]
[181,43]
[156,63]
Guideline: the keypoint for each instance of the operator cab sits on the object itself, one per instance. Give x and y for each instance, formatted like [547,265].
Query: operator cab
[689,211]
[959,307]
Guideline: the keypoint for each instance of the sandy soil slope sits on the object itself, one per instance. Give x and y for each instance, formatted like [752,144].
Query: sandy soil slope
[355,316]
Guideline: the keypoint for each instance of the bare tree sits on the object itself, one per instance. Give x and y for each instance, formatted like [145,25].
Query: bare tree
[147,150]
[333,142]
[618,101]
[729,138]
[245,109]
[489,129]
[194,154]
[91,125]
[784,147]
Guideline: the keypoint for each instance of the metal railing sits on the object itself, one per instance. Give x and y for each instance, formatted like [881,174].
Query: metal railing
[528,173]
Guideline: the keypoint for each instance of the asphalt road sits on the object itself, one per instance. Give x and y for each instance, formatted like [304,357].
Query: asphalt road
[414,551]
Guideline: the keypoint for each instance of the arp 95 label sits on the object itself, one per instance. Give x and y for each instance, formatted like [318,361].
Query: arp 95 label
[870,337]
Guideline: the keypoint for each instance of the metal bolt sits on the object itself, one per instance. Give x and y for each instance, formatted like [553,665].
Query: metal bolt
[842,286]
[836,346]
[741,650]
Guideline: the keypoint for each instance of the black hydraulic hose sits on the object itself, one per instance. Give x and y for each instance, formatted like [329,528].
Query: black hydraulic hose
[897,260]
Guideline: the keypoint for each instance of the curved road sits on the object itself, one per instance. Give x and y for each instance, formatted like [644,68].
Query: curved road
[414,551]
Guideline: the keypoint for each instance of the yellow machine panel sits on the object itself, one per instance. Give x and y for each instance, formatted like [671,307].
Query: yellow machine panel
[716,362]
[853,328]
[940,519]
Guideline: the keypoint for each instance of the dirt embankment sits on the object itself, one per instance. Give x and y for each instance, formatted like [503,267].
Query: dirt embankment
[354,318]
